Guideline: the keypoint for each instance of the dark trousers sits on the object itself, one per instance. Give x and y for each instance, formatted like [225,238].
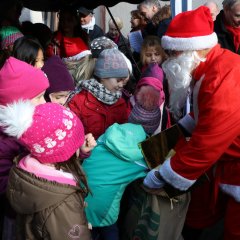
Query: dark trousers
[105,233]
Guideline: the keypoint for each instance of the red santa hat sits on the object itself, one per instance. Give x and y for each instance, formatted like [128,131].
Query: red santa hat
[191,30]
[72,48]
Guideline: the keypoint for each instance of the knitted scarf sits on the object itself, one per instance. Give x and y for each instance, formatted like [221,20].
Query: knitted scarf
[99,91]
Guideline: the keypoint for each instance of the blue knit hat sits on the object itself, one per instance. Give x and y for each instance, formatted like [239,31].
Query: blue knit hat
[111,64]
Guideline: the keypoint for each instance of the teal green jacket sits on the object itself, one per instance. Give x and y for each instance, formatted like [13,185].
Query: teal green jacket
[114,163]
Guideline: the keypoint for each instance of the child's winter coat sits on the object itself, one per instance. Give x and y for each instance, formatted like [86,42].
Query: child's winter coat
[43,215]
[114,163]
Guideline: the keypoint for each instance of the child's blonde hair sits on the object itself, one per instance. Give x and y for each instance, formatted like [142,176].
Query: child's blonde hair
[81,69]
[151,41]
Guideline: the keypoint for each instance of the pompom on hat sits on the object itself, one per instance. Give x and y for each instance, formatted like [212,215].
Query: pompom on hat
[50,132]
[153,76]
[19,80]
[8,35]
[191,30]
[99,44]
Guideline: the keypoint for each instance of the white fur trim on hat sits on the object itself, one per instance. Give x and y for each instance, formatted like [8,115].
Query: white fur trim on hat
[78,56]
[173,178]
[16,118]
[129,64]
[188,44]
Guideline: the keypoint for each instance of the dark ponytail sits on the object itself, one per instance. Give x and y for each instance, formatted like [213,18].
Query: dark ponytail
[4,55]
[73,166]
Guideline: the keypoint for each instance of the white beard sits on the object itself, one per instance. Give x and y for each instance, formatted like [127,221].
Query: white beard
[178,71]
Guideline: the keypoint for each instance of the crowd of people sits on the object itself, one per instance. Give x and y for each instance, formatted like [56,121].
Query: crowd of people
[76,103]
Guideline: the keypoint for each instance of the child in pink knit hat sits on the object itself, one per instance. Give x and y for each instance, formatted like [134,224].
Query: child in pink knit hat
[47,186]
[148,101]
[18,80]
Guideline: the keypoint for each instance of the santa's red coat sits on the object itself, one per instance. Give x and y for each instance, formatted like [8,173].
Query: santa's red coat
[215,141]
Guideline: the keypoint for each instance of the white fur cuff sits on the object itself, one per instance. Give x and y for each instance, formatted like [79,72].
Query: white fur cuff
[173,178]
[232,190]
[188,123]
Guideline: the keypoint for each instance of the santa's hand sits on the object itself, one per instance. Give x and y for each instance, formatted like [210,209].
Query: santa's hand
[89,143]
[153,180]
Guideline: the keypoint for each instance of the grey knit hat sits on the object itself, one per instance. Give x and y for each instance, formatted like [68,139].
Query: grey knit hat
[149,119]
[111,64]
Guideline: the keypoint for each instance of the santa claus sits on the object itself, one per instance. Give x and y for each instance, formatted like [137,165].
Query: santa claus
[198,65]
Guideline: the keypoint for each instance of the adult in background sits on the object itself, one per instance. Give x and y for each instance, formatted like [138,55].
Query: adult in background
[162,19]
[115,36]
[10,11]
[211,74]
[227,25]
[213,7]
[158,17]
[88,23]
[148,9]
[138,21]
[70,35]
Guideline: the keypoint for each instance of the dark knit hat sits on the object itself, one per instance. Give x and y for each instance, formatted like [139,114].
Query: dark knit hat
[149,119]
[58,76]
[111,64]
[99,44]
[85,11]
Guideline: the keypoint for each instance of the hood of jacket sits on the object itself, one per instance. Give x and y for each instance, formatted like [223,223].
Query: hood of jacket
[122,141]
[29,194]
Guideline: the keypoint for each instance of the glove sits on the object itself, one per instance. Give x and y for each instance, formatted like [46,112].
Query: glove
[152,181]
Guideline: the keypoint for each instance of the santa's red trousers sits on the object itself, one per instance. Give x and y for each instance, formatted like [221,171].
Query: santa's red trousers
[203,212]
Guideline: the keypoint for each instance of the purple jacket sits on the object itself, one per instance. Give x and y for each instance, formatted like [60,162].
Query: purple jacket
[9,149]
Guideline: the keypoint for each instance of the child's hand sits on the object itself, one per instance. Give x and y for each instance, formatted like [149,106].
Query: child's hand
[89,143]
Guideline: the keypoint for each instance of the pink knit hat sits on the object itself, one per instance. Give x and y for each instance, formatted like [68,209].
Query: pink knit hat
[19,80]
[153,76]
[51,132]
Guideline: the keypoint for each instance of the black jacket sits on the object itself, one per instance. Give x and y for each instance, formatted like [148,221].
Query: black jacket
[95,33]
[225,39]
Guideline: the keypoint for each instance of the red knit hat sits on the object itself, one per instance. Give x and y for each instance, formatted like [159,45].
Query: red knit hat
[191,30]
[50,132]
[19,80]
